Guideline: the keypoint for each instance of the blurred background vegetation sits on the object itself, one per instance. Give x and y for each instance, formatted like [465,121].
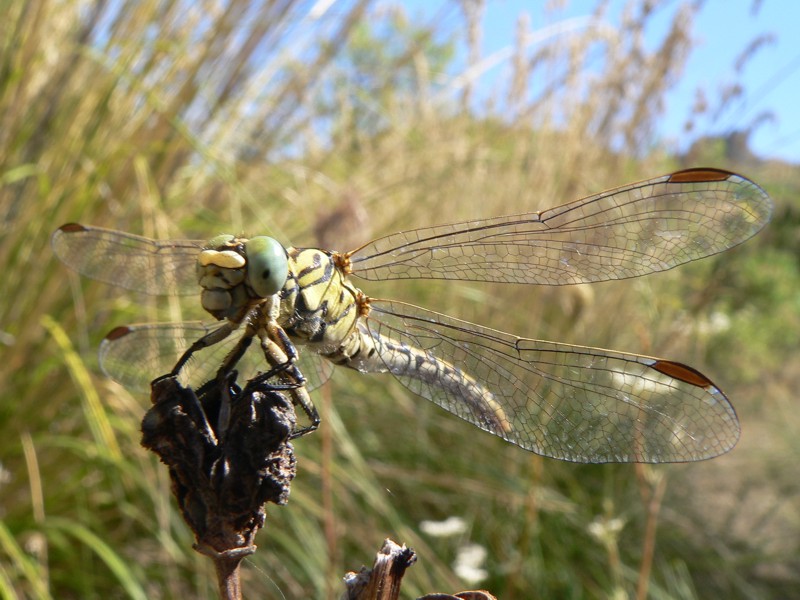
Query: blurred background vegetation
[330,124]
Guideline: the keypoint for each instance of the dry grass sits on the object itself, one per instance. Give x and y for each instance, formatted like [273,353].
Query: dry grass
[167,119]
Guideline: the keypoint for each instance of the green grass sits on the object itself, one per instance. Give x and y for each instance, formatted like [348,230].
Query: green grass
[167,123]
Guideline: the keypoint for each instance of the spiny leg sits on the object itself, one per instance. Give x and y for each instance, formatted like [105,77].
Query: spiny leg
[281,362]
[281,355]
[209,339]
[226,368]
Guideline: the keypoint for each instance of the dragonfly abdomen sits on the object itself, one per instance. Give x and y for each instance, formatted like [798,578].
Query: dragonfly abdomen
[425,374]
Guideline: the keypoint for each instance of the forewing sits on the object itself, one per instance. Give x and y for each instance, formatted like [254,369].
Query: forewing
[626,232]
[568,402]
[130,261]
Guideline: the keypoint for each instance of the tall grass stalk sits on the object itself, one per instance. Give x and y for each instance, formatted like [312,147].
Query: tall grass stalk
[332,122]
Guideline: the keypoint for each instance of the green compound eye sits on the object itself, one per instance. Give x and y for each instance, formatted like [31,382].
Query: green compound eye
[267,265]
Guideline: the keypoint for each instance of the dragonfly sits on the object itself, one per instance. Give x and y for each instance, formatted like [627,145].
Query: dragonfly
[306,315]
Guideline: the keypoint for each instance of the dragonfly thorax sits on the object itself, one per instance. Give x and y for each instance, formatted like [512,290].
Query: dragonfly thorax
[235,274]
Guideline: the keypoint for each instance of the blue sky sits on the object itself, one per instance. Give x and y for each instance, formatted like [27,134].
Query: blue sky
[722,29]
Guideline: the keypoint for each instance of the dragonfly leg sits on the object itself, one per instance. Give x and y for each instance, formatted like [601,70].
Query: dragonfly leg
[281,362]
[281,355]
[209,339]
[227,366]
[297,392]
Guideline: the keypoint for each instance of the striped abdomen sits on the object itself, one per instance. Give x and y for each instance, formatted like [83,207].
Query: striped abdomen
[424,374]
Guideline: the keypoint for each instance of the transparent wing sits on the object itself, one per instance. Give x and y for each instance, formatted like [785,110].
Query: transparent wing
[626,232]
[134,355]
[130,261]
[568,402]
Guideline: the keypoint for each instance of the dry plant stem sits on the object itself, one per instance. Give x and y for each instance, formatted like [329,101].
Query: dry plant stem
[230,583]
[656,494]
[327,479]
[382,582]
[222,478]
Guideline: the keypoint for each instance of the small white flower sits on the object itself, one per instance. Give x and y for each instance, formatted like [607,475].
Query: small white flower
[606,530]
[449,527]
[468,563]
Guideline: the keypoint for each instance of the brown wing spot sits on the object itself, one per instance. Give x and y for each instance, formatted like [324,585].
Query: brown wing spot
[72,228]
[699,175]
[682,373]
[118,332]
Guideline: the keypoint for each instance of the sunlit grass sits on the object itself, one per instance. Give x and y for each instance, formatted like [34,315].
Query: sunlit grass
[171,120]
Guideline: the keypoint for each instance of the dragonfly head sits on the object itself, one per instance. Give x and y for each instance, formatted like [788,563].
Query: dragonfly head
[237,273]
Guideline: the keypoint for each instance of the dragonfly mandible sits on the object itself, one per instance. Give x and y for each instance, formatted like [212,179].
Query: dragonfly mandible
[568,402]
